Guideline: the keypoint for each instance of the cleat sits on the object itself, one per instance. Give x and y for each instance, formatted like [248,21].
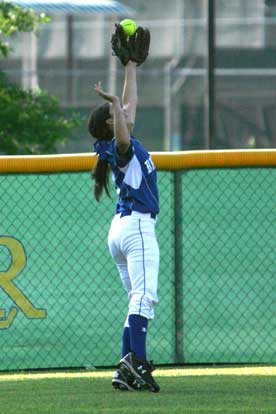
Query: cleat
[141,371]
[122,380]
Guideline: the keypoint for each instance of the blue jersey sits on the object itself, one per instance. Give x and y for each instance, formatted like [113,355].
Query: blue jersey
[135,178]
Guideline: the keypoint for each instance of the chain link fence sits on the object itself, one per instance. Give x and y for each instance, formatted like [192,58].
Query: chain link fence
[61,299]
[229,225]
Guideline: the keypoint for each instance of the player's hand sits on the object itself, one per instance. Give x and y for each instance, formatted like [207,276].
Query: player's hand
[107,96]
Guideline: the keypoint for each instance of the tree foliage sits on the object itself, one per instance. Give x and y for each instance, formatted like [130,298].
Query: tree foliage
[15,19]
[31,122]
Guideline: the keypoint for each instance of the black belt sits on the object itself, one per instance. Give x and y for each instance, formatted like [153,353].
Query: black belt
[128,213]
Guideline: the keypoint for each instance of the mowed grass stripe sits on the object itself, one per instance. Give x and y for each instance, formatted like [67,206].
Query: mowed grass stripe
[165,372]
[217,394]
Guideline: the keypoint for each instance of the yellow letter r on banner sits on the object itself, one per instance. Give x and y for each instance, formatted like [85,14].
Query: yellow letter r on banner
[18,263]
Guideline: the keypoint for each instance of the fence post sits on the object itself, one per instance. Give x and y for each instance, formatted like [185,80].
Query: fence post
[178,267]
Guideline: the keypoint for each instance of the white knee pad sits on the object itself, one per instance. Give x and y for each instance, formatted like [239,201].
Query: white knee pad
[141,305]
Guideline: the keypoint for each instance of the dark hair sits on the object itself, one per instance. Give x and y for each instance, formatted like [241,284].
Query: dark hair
[101,176]
[99,129]
[97,125]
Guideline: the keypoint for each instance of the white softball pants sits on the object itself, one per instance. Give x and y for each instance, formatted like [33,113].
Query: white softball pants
[134,248]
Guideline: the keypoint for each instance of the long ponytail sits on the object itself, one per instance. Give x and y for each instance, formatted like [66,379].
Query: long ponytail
[98,128]
[101,176]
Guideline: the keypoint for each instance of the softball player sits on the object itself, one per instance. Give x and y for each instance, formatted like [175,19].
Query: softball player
[132,241]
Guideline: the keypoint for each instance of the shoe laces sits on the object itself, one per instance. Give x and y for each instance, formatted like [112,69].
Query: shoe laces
[148,364]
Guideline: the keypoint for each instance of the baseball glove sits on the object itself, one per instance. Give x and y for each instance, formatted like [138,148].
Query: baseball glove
[119,44]
[139,44]
[135,47]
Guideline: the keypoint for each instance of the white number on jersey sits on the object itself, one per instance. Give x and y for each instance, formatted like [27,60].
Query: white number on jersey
[150,166]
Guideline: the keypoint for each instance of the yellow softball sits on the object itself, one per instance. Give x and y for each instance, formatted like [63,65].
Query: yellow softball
[129,26]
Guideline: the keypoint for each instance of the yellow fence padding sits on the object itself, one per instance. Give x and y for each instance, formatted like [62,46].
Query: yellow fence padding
[163,160]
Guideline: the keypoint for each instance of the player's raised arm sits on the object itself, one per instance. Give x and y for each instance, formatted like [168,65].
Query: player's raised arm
[129,97]
[118,121]
[131,46]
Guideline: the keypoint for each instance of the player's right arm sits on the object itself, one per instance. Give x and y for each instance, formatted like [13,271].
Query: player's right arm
[129,96]
[121,131]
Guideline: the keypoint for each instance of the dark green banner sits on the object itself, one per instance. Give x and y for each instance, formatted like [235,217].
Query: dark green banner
[229,247]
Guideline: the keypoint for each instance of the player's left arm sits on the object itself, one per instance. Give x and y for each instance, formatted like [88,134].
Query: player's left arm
[129,96]
[132,51]
[120,124]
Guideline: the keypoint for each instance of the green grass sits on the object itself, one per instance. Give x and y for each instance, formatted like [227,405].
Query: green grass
[179,395]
